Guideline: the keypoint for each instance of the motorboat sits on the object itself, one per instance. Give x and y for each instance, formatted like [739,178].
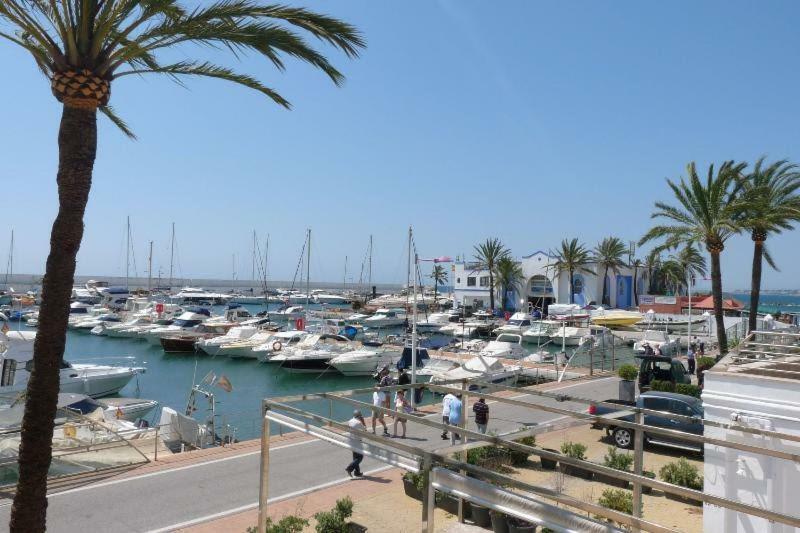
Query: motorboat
[185,341]
[115,298]
[287,313]
[356,318]
[248,299]
[85,296]
[329,298]
[235,334]
[386,318]
[185,322]
[197,295]
[364,362]
[469,329]
[506,345]
[675,323]
[659,341]
[570,335]
[540,356]
[602,337]
[90,323]
[274,345]
[312,354]
[517,323]
[130,409]
[436,321]
[234,313]
[540,331]
[112,330]
[615,318]
[139,332]
[567,312]
[480,368]
[16,363]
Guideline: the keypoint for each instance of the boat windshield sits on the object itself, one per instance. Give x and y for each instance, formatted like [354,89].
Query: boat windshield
[182,323]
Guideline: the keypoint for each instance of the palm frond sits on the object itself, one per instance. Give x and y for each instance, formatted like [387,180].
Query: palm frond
[108,111]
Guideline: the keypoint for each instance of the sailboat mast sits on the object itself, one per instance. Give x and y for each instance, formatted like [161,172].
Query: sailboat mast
[254,256]
[344,281]
[266,264]
[128,255]
[150,268]
[10,264]
[369,276]
[308,270]
[171,254]
[408,278]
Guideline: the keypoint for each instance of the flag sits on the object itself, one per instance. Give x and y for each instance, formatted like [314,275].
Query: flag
[5,327]
[224,383]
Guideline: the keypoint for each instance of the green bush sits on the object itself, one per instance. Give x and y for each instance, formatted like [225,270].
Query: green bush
[704,363]
[662,386]
[688,389]
[518,458]
[682,473]
[617,500]
[628,372]
[416,478]
[618,460]
[335,520]
[287,524]
[576,450]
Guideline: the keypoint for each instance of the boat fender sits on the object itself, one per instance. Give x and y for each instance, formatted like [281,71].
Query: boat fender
[277,346]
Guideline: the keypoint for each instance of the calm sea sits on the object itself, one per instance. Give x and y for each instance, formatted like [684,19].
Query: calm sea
[771,303]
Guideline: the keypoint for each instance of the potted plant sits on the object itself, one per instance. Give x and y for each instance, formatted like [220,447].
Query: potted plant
[617,500]
[618,461]
[518,525]
[412,485]
[688,389]
[480,515]
[684,474]
[703,364]
[499,522]
[646,489]
[574,450]
[548,464]
[518,458]
[627,385]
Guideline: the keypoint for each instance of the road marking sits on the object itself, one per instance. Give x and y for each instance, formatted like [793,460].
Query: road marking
[253,505]
[172,470]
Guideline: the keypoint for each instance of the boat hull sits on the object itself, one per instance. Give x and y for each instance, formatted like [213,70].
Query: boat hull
[306,366]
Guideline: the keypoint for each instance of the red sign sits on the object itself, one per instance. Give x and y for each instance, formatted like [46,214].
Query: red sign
[159,308]
[299,324]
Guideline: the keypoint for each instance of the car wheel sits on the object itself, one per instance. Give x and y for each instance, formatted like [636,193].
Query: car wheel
[623,438]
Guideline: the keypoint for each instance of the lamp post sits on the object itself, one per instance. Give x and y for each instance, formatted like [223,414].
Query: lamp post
[417,259]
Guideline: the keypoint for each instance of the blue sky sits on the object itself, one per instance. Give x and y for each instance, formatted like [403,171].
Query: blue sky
[529,121]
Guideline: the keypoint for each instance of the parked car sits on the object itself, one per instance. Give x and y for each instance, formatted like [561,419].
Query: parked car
[662,368]
[666,402]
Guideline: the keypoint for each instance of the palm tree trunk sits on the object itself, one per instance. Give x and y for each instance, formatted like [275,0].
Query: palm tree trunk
[755,284]
[635,287]
[716,292]
[77,143]
[605,286]
[571,288]
[435,290]
[491,290]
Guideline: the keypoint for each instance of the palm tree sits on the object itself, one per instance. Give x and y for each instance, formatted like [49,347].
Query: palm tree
[652,263]
[637,265]
[439,277]
[82,46]
[692,262]
[487,254]
[770,204]
[571,258]
[609,255]
[508,276]
[707,212]
[672,275]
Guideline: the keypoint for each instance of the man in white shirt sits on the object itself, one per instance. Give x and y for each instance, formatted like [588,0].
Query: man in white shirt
[379,400]
[357,422]
[446,412]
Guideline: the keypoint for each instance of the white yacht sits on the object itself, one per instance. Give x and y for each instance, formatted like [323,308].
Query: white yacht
[480,369]
[112,330]
[235,334]
[244,348]
[287,314]
[540,331]
[386,318]
[92,322]
[506,345]
[321,297]
[198,296]
[283,340]
[517,323]
[312,354]
[364,362]
[16,362]
[436,321]
[658,340]
[570,335]
[185,322]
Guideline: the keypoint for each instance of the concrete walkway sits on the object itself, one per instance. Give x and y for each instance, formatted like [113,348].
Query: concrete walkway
[182,491]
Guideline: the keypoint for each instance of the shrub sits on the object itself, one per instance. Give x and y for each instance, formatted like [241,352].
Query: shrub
[287,524]
[576,450]
[617,500]
[417,479]
[682,473]
[628,372]
[688,389]
[617,460]
[704,363]
[663,386]
[518,458]
[335,520]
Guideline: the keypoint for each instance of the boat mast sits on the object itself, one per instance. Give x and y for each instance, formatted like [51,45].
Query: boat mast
[150,268]
[128,256]
[10,264]
[254,256]
[369,276]
[233,267]
[171,254]
[308,272]
[408,275]
[344,281]
[413,323]
[266,263]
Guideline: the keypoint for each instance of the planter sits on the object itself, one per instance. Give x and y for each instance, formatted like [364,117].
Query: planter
[613,481]
[575,471]
[449,504]
[547,464]
[499,522]
[684,499]
[646,489]
[627,390]
[411,490]
[520,526]
[480,515]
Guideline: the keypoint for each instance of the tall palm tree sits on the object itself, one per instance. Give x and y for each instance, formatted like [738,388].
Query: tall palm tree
[770,204]
[652,262]
[692,262]
[672,275]
[439,277]
[706,212]
[572,257]
[508,276]
[82,47]
[487,254]
[637,265]
[609,255]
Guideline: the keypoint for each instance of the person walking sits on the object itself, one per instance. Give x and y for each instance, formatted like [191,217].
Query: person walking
[357,422]
[378,400]
[690,357]
[455,417]
[481,410]
[402,405]
[702,346]
[446,412]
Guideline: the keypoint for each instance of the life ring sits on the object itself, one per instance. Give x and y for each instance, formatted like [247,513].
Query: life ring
[277,346]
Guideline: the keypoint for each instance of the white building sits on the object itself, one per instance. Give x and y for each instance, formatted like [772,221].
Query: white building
[543,286]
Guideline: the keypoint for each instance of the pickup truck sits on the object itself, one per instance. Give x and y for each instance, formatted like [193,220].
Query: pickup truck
[666,402]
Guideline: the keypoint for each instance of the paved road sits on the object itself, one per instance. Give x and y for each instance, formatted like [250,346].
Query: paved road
[168,499]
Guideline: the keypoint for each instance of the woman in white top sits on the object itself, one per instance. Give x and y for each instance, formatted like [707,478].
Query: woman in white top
[377,415]
[402,405]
